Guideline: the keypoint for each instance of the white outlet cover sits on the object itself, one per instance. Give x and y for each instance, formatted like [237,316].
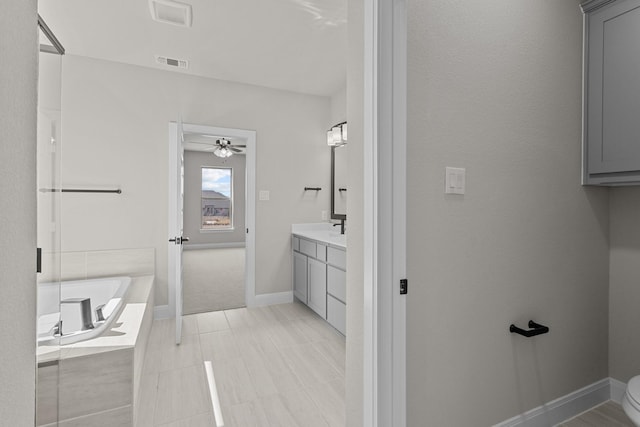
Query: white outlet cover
[264,195]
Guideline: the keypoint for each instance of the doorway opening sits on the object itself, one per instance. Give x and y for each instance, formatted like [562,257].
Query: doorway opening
[214,220]
[211,209]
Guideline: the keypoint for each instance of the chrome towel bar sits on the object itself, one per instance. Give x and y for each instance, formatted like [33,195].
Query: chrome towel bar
[78,190]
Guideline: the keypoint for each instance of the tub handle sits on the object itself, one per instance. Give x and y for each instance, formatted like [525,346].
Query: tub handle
[99,314]
[84,305]
[537,329]
[57,329]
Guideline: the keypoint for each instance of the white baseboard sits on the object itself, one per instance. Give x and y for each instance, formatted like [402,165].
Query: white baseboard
[161,312]
[563,408]
[618,389]
[271,299]
[196,246]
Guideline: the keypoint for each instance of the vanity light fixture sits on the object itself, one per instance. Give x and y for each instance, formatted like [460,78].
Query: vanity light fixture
[337,135]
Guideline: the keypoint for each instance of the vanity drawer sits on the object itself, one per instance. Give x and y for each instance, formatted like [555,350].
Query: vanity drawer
[296,244]
[337,283]
[337,257]
[321,252]
[337,314]
[308,248]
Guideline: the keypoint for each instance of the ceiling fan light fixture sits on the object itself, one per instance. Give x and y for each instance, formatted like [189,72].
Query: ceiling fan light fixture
[222,150]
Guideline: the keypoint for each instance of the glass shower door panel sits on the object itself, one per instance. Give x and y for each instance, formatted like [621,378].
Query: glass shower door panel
[48,199]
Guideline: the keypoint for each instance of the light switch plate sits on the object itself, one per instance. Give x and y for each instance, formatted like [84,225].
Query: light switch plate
[454,182]
[264,195]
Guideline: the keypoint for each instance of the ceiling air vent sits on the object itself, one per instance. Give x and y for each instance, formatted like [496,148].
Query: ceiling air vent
[171,12]
[178,63]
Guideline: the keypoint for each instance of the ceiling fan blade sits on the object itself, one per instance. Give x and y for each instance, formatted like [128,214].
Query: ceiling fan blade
[238,145]
[234,149]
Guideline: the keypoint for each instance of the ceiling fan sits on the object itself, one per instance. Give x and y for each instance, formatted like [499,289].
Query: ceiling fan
[225,149]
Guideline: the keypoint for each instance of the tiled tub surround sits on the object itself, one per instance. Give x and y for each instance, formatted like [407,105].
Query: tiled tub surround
[98,379]
[108,263]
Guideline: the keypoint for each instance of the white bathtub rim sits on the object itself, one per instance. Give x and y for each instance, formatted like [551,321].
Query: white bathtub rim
[111,310]
[126,329]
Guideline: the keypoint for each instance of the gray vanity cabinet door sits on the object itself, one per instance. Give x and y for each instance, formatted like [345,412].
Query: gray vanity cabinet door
[300,276]
[612,138]
[318,287]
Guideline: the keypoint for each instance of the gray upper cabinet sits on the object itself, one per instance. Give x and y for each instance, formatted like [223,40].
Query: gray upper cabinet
[611,146]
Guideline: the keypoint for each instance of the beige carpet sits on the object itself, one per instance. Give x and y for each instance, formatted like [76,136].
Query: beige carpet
[213,280]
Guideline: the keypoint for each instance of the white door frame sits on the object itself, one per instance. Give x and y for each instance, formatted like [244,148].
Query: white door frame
[385,111]
[250,206]
[385,69]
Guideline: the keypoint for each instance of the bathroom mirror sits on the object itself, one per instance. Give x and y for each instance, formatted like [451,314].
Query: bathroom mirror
[339,182]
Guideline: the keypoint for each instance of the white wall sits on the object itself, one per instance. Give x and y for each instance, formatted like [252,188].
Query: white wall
[18,89]
[338,107]
[194,161]
[495,87]
[624,283]
[115,134]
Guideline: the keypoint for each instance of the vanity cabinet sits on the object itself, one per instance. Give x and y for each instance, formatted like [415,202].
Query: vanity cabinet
[319,279]
[336,298]
[317,300]
[611,134]
[300,276]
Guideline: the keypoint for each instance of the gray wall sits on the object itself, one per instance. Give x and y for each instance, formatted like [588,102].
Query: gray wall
[355,214]
[495,87]
[194,161]
[115,126]
[18,89]
[624,283]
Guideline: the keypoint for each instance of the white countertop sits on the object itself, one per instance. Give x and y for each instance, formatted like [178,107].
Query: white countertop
[323,232]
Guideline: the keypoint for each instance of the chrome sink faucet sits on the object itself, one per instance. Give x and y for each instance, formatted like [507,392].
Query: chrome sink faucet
[341,224]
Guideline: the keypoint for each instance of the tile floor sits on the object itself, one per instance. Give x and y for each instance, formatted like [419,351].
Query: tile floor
[609,414]
[274,366]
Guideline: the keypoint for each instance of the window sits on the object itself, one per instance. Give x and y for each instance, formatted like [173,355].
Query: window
[217,198]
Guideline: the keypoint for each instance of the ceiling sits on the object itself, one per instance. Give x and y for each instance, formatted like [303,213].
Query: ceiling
[294,45]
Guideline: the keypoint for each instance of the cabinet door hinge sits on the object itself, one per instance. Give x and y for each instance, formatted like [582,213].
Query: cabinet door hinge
[403,286]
